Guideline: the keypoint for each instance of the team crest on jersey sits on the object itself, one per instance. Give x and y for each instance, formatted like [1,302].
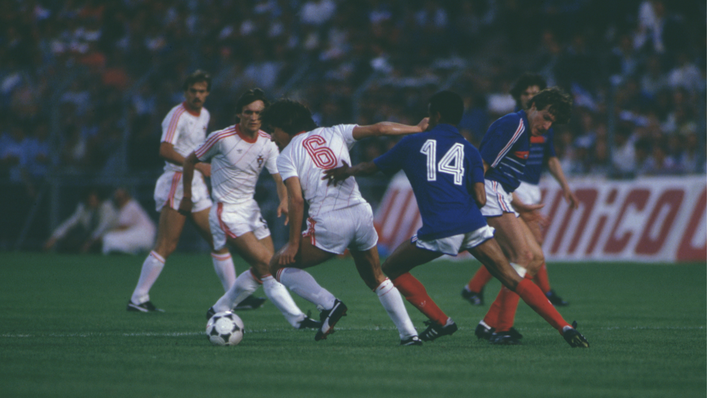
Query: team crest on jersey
[260,161]
[522,154]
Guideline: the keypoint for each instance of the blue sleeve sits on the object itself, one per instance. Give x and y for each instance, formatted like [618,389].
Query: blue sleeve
[499,138]
[392,161]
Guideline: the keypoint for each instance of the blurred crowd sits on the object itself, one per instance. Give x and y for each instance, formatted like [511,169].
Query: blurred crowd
[84,84]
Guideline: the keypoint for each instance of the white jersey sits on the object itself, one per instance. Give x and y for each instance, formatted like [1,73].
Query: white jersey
[236,162]
[185,130]
[309,154]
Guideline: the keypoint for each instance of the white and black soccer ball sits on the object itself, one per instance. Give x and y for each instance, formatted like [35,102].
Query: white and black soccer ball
[225,328]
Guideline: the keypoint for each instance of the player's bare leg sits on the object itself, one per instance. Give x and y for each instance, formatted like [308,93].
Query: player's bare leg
[169,229]
[222,260]
[490,254]
[368,267]
[397,266]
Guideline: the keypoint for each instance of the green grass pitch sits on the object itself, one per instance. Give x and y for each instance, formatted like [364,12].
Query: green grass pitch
[64,332]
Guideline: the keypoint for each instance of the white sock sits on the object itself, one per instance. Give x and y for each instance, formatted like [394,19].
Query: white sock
[519,269]
[304,285]
[390,297]
[278,295]
[245,286]
[151,268]
[223,264]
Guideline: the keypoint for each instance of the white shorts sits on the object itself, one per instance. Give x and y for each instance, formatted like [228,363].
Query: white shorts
[498,201]
[231,221]
[132,240]
[169,190]
[334,231]
[455,244]
[528,193]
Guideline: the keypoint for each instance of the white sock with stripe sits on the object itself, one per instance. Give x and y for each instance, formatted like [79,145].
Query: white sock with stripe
[278,295]
[304,285]
[245,286]
[223,265]
[393,303]
[151,269]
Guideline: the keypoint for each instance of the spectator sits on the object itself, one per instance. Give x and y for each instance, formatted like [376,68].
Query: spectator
[133,232]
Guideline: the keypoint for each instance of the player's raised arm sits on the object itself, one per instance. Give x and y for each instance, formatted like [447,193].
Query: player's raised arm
[388,128]
[341,173]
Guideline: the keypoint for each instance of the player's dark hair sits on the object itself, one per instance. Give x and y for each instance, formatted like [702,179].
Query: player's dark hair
[248,98]
[526,80]
[449,105]
[196,77]
[559,101]
[291,116]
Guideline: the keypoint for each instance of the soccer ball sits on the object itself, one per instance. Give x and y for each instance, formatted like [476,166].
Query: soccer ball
[225,328]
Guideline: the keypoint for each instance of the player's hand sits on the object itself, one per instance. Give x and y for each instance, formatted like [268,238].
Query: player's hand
[204,168]
[571,199]
[334,176]
[424,124]
[288,254]
[185,206]
[283,209]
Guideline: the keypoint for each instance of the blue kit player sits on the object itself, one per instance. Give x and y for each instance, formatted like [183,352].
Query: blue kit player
[447,176]
[542,153]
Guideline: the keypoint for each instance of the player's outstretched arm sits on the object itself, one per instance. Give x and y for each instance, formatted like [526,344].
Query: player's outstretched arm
[555,168]
[188,175]
[296,213]
[334,176]
[388,128]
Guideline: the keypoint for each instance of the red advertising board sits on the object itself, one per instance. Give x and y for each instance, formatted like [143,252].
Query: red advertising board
[647,219]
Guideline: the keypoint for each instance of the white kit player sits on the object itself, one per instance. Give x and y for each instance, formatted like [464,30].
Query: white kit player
[183,130]
[339,217]
[238,154]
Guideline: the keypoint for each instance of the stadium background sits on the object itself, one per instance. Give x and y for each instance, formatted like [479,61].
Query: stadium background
[84,85]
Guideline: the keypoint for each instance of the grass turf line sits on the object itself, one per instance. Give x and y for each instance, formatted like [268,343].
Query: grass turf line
[64,331]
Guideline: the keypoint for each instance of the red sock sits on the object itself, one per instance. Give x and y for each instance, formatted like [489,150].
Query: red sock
[534,297]
[491,317]
[541,279]
[479,280]
[509,304]
[416,294]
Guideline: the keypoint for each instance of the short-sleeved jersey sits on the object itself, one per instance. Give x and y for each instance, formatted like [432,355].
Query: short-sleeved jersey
[236,163]
[185,130]
[309,154]
[505,147]
[442,168]
[541,149]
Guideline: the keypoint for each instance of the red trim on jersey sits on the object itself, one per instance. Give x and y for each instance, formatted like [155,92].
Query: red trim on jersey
[191,111]
[540,139]
[264,134]
[212,140]
[224,227]
[176,179]
[245,137]
[521,154]
[172,128]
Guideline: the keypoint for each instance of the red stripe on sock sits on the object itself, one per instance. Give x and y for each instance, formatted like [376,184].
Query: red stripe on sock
[416,294]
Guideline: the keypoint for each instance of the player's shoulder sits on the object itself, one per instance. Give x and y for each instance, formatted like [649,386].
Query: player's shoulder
[263,135]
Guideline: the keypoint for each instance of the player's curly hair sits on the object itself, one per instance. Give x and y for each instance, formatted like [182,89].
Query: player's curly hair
[291,116]
[449,105]
[526,80]
[248,98]
[196,77]
[559,101]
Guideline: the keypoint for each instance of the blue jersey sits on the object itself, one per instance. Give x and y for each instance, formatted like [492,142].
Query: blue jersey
[505,148]
[442,168]
[541,148]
